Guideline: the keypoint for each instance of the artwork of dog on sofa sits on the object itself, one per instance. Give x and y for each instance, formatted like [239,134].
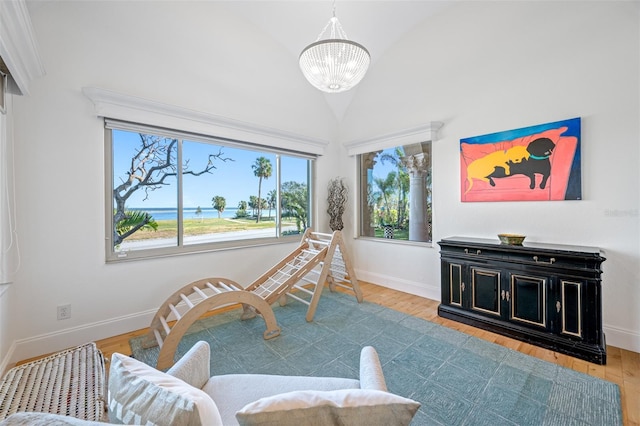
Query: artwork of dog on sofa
[536,163]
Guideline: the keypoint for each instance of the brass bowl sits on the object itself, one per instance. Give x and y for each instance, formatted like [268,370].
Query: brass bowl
[511,239]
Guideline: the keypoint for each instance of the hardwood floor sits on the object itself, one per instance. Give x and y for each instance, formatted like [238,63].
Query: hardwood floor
[623,367]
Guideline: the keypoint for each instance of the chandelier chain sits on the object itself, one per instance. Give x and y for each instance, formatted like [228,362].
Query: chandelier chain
[337,32]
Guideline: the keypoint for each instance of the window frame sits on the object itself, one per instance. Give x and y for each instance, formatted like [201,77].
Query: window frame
[422,134]
[180,248]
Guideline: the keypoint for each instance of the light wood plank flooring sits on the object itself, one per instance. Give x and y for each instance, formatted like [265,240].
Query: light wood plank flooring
[623,367]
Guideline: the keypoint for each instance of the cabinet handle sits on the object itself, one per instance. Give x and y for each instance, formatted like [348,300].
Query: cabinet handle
[462,286]
[502,294]
[550,262]
[558,306]
[507,296]
[466,251]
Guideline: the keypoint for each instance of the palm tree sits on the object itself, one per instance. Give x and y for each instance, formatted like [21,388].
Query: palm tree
[132,221]
[262,170]
[253,204]
[271,200]
[403,189]
[242,209]
[219,203]
[295,202]
[386,188]
[403,181]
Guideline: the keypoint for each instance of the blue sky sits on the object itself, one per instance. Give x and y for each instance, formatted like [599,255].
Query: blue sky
[232,179]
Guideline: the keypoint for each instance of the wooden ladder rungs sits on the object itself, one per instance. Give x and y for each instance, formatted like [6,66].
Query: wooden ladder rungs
[324,235]
[224,286]
[166,327]
[308,280]
[306,290]
[299,299]
[310,251]
[340,284]
[200,292]
[292,267]
[159,339]
[174,311]
[324,243]
[186,300]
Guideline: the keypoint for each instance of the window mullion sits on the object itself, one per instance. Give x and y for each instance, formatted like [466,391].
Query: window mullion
[179,195]
[278,199]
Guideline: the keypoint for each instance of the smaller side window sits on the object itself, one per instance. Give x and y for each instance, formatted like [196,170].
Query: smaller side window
[395,193]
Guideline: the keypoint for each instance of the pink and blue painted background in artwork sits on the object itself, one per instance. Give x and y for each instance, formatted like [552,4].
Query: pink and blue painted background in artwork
[536,163]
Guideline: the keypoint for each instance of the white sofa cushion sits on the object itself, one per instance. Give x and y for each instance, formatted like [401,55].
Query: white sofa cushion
[231,392]
[140,394]
[193,367]
[352,407]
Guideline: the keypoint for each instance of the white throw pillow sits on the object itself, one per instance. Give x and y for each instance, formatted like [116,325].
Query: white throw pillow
[140,394]
[353,407]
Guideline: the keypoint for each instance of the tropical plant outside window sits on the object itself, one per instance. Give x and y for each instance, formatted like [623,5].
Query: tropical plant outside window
[174,193]
[395,192]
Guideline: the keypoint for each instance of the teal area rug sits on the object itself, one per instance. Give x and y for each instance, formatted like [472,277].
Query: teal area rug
[458,379]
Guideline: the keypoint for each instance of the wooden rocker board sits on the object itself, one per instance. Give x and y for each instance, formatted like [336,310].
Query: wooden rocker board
[319,256]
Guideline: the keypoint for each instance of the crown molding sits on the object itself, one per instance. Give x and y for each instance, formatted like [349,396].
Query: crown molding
[18,47]
[424,133]
[115,105]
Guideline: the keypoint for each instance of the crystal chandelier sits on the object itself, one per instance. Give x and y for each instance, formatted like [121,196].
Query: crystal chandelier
[334,64]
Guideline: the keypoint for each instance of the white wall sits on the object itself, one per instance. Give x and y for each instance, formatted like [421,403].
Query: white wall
[483,67]
[195,55]
[479,67]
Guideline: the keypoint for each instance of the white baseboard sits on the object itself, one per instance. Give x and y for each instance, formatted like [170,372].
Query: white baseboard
[74,336]
[406,286]
[622,338]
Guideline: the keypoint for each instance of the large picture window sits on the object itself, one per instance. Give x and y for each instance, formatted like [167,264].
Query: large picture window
[395,190]
[172,192]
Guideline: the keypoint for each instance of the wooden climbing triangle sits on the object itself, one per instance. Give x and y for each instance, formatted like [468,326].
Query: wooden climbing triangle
[335,269]
[319,259]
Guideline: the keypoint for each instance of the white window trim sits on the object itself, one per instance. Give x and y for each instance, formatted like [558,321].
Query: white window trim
[425,133]
[110,104]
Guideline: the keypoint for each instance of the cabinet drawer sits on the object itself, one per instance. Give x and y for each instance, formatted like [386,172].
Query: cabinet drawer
[555,261]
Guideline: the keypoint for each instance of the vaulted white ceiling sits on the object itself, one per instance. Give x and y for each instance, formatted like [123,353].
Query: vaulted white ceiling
[375,24]
[294,24]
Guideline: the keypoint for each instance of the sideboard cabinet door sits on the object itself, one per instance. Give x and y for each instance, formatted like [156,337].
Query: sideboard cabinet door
[486,288]
[528,299]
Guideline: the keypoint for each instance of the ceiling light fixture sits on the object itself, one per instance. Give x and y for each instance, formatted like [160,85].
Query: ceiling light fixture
[334,64]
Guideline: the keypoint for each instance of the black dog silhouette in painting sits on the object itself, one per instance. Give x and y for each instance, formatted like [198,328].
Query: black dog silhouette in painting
[538,162]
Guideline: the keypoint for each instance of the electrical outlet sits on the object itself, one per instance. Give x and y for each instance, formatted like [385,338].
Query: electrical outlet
[64,312]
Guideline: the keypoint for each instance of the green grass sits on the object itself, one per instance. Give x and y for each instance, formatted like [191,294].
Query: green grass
[169,228]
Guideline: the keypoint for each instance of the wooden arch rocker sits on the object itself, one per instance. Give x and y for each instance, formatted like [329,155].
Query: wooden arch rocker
[318,259]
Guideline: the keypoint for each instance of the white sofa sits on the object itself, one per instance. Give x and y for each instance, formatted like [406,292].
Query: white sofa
[188,395]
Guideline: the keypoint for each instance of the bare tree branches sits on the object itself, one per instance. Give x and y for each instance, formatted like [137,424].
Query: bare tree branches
[153,163]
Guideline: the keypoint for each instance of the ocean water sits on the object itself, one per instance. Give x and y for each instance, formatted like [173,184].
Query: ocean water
[169,213]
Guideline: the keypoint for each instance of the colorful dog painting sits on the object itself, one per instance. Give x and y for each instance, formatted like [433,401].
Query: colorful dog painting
[540,162]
